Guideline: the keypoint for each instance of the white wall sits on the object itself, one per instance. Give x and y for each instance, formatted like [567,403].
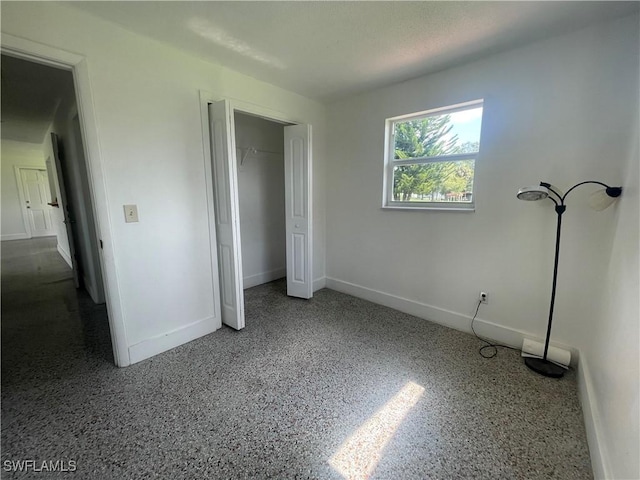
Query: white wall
[146,101]
[261,198]
[16,154]
[544,119]
[557,111]
[610,366]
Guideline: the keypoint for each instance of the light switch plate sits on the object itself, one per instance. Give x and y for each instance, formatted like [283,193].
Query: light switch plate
[130,213]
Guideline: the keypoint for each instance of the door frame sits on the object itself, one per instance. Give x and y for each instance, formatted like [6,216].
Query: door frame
[77,65]
[261,111]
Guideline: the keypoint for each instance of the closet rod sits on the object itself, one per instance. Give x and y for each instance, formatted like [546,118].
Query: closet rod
[253,151]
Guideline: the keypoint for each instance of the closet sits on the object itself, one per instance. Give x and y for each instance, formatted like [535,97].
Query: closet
[261,197]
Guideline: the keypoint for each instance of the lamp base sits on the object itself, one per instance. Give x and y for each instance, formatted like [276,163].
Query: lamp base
[544,367]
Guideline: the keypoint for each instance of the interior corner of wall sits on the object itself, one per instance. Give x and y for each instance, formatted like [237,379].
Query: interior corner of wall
[593,427]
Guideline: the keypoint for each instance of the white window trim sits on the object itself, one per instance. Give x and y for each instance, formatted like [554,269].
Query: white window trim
[390,162]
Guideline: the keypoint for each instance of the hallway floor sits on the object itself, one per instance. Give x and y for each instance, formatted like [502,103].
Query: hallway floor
[46,322]
[330,388]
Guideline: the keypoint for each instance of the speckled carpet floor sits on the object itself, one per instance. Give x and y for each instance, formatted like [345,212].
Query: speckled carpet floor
[330,388]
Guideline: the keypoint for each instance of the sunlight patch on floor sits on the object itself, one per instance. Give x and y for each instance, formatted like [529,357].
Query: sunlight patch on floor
[359,455]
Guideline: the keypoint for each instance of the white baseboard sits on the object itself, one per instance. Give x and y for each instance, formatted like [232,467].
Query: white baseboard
[65,255]
[319,283]
[458,321]
[153,346]
[590,410]
[260,278]
[14,236]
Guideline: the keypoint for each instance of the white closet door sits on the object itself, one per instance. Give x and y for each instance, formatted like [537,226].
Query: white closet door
[225,182]
[297,175]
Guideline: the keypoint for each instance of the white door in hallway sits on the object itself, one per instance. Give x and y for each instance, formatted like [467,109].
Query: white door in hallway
[35,185]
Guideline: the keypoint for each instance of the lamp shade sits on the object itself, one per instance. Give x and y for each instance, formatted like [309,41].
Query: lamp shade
[533,193]
[601,199]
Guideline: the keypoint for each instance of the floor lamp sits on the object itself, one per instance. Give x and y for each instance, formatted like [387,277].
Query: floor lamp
[599,200]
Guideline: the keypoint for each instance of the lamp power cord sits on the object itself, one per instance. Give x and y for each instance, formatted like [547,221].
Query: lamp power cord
[489,344]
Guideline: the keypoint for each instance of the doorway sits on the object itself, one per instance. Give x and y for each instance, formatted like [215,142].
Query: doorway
[261,199]
[41,122]
[228,156]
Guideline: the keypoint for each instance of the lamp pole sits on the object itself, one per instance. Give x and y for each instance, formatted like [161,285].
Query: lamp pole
[542,365]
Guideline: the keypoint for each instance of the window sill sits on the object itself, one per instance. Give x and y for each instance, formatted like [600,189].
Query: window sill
[458,208]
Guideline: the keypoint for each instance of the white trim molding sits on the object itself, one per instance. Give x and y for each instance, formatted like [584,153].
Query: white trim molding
[319,283]
[504,335]
[205,98]
[591,412]
[65,255]
[14,236]
[264,277]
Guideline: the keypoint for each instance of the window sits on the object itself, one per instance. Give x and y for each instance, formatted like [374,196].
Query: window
[430,158]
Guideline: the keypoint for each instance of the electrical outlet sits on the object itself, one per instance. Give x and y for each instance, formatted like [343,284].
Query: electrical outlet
[484,297]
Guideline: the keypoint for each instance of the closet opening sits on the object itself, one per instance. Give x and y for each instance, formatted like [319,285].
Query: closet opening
[261,198]
[262,204]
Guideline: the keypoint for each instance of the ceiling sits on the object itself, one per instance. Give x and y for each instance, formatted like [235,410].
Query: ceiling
[326,50]
[322,50]
[31,94]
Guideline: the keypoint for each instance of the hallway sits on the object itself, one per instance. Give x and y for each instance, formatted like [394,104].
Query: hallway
[38,295]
